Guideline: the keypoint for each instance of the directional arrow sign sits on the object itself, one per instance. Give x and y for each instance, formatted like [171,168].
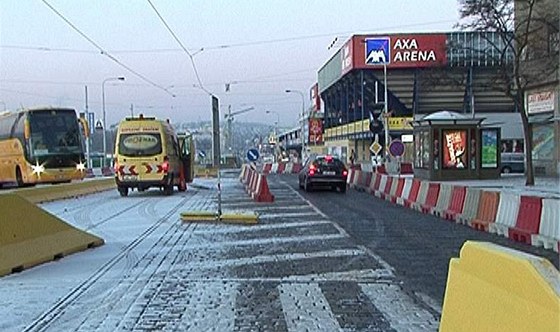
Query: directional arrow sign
[253,154]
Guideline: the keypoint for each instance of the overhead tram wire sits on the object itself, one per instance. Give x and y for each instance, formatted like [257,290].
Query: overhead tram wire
[182,46]
[104,52]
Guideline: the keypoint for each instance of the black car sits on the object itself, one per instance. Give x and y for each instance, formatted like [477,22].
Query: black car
[323,171]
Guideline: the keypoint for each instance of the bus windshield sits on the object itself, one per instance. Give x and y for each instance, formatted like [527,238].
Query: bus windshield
[58,134]
[140,144]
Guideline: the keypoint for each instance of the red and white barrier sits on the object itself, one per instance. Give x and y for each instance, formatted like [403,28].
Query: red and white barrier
[444,198]
[422,195]
[431,197]
[382,185]
[470,207]
[528,219]
[549,228]
[456,204]
[508,209]
[405,191]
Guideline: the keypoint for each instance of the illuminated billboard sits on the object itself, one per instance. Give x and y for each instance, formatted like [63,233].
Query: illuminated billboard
[454,148]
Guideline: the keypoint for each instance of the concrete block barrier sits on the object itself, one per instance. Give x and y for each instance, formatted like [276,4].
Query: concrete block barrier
[456,205]
[487,209]
[431,198]
[492,288]
[65,190]
[508,208]
[444,198]
[470,207]
[405,191]
[30,236]
[413,195]
[528,219]
[422,195]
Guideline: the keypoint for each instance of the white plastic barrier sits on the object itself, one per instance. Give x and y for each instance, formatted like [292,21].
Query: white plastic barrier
[549,228]
[274,168]
[506,216]
[470,207]
[356,179]
[393,189]
[444,197]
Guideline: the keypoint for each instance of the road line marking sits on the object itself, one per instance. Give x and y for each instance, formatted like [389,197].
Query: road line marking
[306,308]
[399,309]
[260,227]
[267,241]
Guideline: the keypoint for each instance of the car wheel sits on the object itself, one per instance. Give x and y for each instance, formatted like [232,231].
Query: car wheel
[307,186]
[506,170]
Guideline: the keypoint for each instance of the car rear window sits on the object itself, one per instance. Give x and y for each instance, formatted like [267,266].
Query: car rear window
[329,162]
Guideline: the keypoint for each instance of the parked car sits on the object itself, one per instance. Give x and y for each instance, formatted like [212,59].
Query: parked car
[323,171]
[513,162]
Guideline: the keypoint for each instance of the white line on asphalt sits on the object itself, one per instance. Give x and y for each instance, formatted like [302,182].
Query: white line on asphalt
[267,241]
[276,258]
[306,308]
[399,309]
[288,215]
[260,227]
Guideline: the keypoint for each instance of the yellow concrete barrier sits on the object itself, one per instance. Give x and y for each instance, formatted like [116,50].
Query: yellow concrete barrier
[246,218]
[30,236]
[66,190]
[492,288]
[205,171]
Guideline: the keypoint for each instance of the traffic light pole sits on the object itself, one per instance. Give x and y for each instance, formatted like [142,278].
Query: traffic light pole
[386,113]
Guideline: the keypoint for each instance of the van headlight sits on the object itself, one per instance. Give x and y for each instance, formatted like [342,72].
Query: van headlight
[38,169]
[80,166]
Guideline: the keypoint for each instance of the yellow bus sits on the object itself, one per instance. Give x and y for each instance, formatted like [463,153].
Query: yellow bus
[148,153]
[41,145]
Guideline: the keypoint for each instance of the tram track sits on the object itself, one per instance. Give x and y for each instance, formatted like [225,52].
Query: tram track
[48,317]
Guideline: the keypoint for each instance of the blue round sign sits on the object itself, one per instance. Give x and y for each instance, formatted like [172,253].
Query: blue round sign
[253,154]
[396,148]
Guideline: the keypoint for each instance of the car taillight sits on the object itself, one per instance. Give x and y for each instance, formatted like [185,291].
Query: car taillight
[345,173]
[312,169]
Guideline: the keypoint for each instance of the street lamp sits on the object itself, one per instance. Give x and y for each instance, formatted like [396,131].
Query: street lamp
[302,119]
[120,78]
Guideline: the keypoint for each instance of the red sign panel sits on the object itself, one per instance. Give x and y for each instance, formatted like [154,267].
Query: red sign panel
[399,51]
[315,131]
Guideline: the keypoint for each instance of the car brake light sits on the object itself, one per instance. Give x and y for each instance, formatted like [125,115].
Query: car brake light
[345,173]
[312,169]
[328,158]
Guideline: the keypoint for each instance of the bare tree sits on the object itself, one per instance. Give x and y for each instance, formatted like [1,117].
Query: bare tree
[526,29]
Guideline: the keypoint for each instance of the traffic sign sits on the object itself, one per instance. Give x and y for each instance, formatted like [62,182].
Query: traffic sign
[396,148]
[375,148]
[253,154]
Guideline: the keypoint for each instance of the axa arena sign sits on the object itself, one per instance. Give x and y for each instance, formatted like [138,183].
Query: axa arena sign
[402,51]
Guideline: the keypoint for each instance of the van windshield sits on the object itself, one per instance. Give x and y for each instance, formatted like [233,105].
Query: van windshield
[140,144]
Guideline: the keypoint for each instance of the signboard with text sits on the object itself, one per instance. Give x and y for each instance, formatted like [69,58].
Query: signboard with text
[395,51]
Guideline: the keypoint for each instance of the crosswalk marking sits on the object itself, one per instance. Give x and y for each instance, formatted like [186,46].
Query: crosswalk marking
[236,229]
[264,241]
[399,309]
[306,308]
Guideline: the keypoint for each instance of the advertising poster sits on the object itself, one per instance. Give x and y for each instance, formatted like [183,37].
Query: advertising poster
[315,131]
[489,148]
[454,148]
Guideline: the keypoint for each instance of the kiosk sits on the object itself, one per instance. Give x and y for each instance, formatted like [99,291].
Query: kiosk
[453,146]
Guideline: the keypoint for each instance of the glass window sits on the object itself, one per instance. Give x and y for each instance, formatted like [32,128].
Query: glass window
[144,144]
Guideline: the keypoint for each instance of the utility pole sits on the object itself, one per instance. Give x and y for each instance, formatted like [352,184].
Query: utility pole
[86,114]
[131,110]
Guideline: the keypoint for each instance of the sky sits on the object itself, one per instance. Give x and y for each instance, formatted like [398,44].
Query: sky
[258,48]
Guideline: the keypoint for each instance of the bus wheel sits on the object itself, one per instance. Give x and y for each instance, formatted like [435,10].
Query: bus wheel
[123,191]
[182,185]
[19,178]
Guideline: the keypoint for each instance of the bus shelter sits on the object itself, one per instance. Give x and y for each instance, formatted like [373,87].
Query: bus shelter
[453,146]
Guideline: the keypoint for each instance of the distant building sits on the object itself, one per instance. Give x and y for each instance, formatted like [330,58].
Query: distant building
[425,73]
[540,61]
